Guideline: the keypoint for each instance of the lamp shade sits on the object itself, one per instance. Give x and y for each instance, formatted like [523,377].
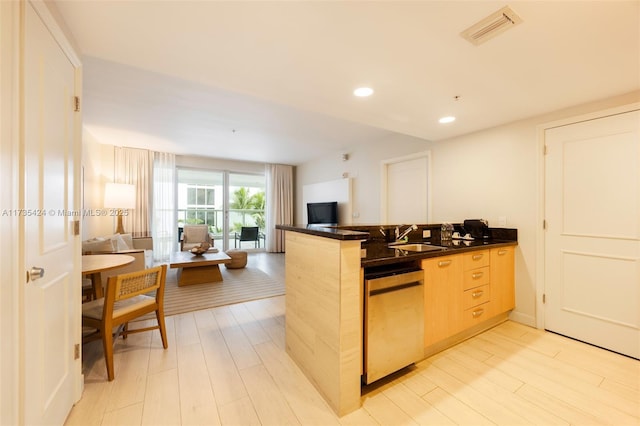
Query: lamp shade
[119,196]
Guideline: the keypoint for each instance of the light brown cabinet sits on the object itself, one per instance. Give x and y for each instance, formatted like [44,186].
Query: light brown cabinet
[502,268]
[476,296]
[464,290]
[443,298]
[477,280]
[475,259]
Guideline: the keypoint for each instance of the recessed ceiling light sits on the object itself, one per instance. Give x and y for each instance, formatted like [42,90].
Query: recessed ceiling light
[363,92]
[448,119]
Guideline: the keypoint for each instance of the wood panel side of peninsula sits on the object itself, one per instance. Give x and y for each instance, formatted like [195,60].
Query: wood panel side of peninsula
[324,315]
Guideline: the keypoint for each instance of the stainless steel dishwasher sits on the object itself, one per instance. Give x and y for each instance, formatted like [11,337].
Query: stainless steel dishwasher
[393,321]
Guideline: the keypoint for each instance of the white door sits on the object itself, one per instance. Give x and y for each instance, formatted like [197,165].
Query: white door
[51,303]
[592,242]
[405,187]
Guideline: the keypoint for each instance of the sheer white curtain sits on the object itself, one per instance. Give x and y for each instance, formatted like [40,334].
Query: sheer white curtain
[279,204]
[164,220]
[135,166]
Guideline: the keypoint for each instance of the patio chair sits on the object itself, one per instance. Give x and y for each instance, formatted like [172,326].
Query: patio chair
[248,233]
[193,235]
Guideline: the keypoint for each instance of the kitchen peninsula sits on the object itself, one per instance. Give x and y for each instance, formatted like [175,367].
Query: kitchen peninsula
[468,288]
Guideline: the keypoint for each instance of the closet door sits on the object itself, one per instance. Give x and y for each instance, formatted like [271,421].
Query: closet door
[592,240]
[51,304]
[405,190]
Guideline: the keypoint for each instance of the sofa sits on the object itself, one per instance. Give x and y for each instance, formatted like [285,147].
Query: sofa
[140,248]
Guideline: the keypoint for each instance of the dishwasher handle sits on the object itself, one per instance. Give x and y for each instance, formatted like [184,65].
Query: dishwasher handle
[394,288]
[394,282]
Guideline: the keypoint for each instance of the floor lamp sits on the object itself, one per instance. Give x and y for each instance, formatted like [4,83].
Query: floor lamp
[119,196]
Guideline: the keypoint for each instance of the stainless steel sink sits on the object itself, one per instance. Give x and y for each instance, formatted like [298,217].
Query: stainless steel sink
[416,247]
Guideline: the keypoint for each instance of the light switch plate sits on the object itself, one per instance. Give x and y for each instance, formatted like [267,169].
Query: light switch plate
[426,233]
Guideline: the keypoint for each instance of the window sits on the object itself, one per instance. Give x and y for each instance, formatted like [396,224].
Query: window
[225,201]
[200,199]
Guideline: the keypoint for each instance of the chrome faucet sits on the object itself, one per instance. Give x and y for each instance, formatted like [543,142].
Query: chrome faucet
[400,236]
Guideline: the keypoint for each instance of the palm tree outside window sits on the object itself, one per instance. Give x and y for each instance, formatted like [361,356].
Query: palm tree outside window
[247,206]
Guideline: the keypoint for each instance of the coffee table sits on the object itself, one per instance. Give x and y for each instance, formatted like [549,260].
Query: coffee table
[199,269]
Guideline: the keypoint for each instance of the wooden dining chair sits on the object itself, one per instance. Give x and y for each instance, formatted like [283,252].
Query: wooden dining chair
[125,300]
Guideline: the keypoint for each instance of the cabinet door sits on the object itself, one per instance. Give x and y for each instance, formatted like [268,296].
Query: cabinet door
[443,301]
[502,280]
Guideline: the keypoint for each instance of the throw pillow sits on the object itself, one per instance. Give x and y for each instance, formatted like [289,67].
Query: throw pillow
[98,245]
[128,240]
[118,243]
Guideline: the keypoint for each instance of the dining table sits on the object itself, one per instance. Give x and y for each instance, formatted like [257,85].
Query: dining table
[93,264]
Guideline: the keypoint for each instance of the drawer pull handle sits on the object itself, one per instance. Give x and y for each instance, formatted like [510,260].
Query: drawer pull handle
[477,293]
[477,313]
[501,252]
[477,257]
[444,263]
[477,275]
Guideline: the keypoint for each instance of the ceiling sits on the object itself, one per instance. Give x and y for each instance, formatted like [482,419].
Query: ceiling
[272,81]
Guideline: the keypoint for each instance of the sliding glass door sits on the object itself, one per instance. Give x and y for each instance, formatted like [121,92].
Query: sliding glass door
[246,211]
[225,201]
[200,200]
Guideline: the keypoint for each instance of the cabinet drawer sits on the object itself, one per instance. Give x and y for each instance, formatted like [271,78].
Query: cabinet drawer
[476,296]
[476,277]
[476,315]
[476,259]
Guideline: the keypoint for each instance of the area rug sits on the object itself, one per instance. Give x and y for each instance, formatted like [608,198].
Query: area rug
[238,285]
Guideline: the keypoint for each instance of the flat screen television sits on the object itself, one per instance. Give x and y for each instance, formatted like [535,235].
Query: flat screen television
[322,213]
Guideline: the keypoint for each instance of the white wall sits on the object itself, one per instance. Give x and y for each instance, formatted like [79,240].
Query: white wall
[334,190]
[209,163]
[97,169]
[494,173]
[363,167]
[490,174]
[487,174]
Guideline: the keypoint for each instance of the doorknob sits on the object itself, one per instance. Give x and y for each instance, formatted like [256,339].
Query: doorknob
[35,273]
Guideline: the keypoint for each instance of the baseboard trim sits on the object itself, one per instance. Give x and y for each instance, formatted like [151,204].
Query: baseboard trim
[464,335]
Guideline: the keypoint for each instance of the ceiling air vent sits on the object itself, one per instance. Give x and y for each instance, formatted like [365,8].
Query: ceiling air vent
[491,26]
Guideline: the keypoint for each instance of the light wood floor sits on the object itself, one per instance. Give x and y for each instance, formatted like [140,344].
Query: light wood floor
[228,366]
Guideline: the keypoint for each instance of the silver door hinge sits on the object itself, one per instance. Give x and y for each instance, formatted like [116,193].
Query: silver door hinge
[544,224]
[76,227]
[544,298]
[76,351]
[544,150]
[76,103]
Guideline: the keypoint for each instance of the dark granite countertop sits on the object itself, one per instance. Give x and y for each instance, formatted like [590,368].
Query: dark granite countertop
[377,252]
[332,232]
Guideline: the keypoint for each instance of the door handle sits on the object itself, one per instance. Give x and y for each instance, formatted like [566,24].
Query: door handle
[35,273]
